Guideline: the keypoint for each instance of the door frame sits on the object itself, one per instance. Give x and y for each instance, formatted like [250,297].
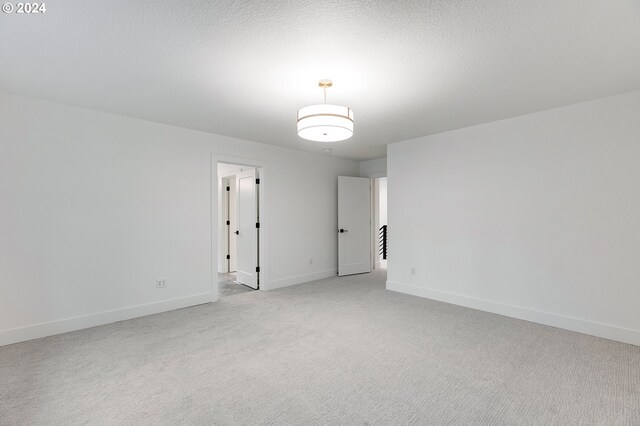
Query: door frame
[263,254]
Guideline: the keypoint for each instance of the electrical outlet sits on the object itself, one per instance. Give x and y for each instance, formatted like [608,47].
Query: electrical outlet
[413,270]
[161,283]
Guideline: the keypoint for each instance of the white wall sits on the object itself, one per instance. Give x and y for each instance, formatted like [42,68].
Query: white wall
[536,217]
[94,207]
[373,168]
[382,201]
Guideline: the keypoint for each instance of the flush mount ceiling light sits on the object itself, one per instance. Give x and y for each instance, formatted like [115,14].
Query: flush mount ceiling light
[325,122]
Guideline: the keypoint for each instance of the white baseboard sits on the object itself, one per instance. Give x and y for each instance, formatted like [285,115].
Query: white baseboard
[593,328]
[299,279]
[45,329]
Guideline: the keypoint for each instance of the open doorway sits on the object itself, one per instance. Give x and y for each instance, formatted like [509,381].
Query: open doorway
[380,229]
[238,228]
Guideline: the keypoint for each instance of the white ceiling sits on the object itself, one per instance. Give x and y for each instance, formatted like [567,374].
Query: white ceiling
[243,68]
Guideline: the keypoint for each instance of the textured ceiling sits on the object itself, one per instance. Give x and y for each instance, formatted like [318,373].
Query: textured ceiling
[243,68]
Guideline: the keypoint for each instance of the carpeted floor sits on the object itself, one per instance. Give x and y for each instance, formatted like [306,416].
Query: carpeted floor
[228,286]
[335,351]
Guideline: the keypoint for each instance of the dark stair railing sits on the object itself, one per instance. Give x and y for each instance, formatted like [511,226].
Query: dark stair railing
[382,241]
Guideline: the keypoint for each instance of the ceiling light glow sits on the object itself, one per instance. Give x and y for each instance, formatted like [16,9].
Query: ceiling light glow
[325,122]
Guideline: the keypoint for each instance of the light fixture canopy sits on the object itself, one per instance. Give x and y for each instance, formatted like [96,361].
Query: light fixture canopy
[325,122]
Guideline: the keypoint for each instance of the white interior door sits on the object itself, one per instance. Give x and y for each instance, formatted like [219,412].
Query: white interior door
[354,225]
[246,231]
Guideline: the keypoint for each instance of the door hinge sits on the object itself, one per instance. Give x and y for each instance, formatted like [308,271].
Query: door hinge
[228,188]
[257,224]
[257,269]
[228,257]
[258,181]
[228,222]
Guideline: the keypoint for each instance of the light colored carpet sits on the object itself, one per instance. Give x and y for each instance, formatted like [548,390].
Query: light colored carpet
[228,286]
[336,351]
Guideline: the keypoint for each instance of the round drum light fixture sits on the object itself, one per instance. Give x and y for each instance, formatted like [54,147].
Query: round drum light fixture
[325,122]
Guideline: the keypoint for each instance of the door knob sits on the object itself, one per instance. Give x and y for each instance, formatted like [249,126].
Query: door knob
[342,231]
[237,232]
